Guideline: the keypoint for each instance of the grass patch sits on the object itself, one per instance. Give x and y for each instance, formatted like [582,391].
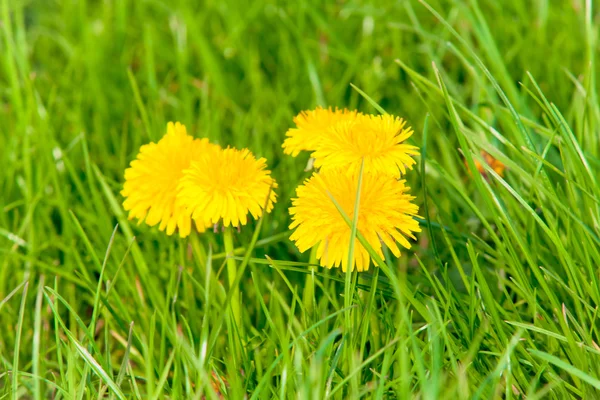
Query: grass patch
[497,299]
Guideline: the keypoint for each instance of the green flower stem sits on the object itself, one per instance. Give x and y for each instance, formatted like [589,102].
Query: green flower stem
[309,287]
[231,275]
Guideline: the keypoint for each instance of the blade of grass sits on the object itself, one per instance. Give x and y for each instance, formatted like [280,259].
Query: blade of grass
[17,347]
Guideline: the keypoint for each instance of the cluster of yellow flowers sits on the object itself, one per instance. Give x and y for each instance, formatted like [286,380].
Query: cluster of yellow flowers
[340,142]
[181,179]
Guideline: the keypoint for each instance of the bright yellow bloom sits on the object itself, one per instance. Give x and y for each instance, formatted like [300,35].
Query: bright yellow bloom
[385,215]
[379,140]
[311,125]
[225,186]
[151,181]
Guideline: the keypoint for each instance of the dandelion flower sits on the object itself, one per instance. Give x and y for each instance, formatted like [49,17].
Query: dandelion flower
[385,215]
[379,140]
[150,186]
[225,186]
[311,126]
[497,166]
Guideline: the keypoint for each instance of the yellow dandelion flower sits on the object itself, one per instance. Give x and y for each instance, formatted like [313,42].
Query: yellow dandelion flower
[379,140]
[311,126]
[225,186]
[150,186]
[385,215]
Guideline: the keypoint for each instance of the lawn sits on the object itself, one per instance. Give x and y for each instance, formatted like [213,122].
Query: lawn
[498,297]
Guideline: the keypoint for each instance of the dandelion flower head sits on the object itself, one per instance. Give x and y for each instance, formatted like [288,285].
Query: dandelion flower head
[385,215]
[226,186]
[379,140]
[150,186]
[497,166]
[311,125]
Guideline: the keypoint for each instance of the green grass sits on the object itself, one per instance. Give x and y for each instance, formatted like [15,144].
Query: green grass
[498,298]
